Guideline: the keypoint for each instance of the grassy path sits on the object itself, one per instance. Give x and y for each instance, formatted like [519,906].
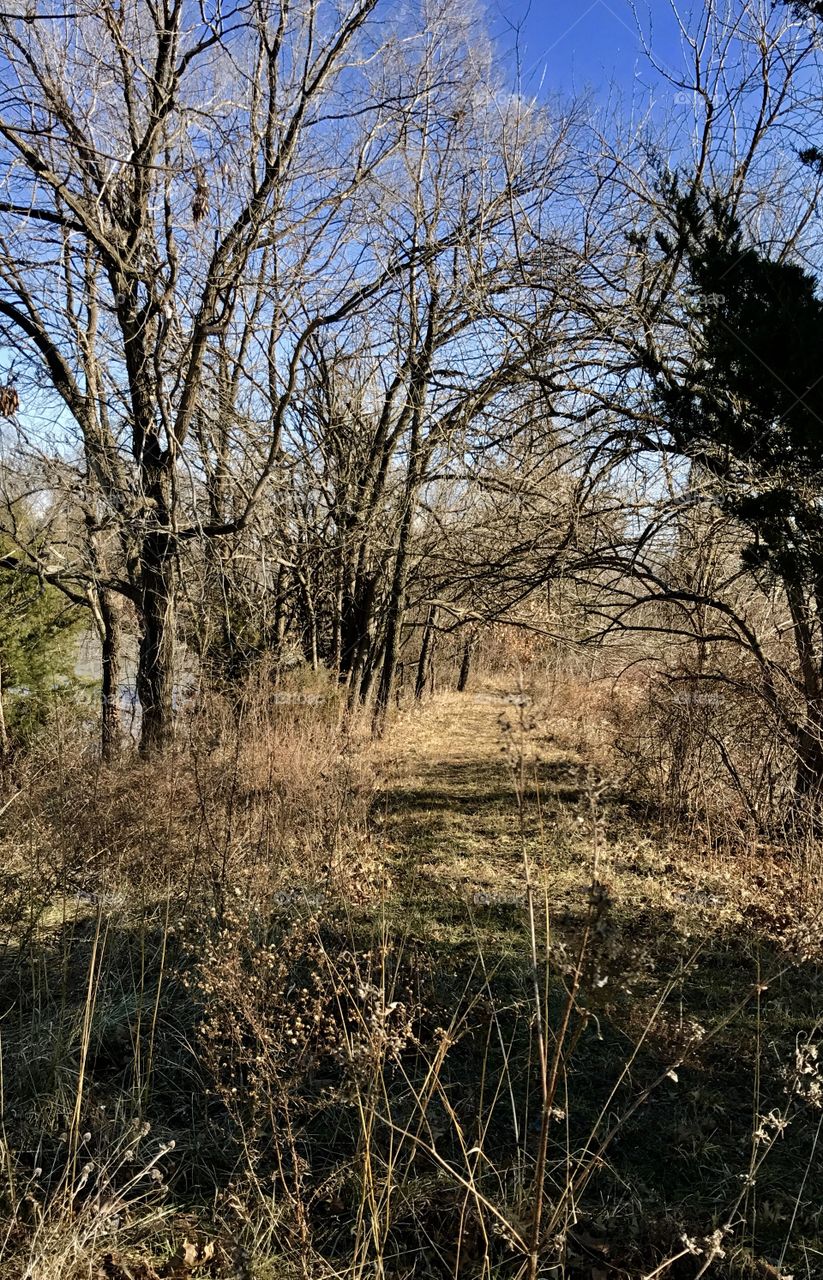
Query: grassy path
[450,804]
[449,819]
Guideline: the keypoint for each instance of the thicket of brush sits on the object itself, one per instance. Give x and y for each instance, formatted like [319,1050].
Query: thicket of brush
[241,1038]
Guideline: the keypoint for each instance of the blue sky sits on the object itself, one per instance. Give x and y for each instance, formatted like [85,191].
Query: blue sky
[579,45]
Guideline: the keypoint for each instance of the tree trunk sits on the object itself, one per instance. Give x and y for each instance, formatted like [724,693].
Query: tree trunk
[466,664]
[425,660]
[361,653]
[155,665]
[4,737]
[359,676]
[372,659]
[394,627]
[337,623]
[357,622]
[110,690]
[309,639]
[397,599]
[809,776]
[278,632]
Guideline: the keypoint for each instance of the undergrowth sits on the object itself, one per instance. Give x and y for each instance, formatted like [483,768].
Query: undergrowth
[298,1005]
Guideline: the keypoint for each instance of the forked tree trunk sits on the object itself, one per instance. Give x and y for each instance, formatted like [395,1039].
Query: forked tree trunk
[357,626]
[366,650]
[397,598]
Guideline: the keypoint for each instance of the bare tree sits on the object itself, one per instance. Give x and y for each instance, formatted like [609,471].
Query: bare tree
[168,193]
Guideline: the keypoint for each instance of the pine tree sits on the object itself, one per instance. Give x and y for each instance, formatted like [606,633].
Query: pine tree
[38,630]
[749,412]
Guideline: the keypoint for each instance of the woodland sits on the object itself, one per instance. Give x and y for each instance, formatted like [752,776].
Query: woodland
[411,646]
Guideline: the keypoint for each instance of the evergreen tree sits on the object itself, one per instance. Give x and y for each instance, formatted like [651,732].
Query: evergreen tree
[749,412]
[38,631]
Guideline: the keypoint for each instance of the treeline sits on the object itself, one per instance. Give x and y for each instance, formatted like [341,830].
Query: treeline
[322,337]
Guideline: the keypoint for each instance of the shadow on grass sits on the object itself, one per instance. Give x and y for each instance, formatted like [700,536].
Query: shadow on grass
[678,1159]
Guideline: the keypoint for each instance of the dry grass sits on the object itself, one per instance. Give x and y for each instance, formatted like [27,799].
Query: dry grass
[451,1006]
